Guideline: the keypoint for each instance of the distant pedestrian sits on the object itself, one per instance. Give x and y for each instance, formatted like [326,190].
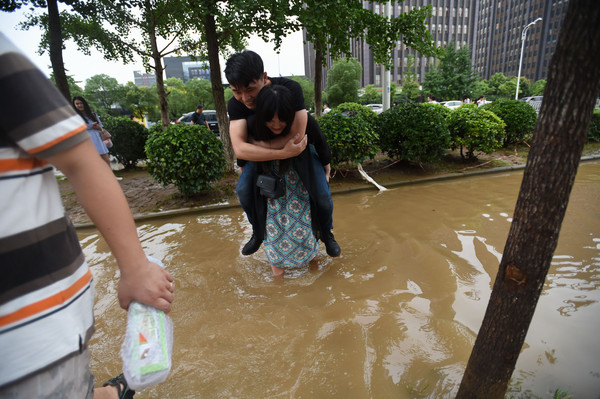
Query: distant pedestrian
[326,108]
[198,118]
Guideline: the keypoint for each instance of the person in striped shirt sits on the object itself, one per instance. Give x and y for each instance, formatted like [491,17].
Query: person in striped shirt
[46,292]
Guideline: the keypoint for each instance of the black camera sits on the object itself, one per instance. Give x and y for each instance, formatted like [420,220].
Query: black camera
[271,186]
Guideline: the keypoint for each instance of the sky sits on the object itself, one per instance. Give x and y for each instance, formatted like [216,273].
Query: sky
[289,62]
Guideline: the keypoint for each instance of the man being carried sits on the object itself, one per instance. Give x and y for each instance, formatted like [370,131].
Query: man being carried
[246,76]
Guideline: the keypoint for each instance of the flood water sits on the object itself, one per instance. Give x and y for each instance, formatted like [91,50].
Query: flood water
[395,316]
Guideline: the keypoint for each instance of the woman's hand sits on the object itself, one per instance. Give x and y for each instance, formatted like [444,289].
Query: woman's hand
[327,171]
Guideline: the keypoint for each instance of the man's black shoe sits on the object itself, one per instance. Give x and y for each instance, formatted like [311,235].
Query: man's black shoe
[252,245]
[332,247]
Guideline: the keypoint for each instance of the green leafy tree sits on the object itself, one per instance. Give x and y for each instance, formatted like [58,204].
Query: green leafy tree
[411,87]
[53,39]
[221,26]
[454,77]
[480,88]
[308,90]
[497,80]
[74,87]
[330,24]
[141,101]
[200,92]
[103,92]
[538,87]
[343,81]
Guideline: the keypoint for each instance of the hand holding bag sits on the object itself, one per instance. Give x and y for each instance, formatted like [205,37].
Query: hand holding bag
[105,135]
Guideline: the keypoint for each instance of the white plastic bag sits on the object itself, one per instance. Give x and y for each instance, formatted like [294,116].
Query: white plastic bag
[148,345]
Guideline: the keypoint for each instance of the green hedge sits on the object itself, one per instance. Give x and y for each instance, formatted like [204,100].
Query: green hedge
[594,130]
[520,119]
[350,132]
[128,137]
[475,129]
[190,157]
[414,132]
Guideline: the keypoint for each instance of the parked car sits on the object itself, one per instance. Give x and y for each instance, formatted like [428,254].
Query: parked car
[378,108]
[452,104]
[209,114]
[530,99]
[535,102]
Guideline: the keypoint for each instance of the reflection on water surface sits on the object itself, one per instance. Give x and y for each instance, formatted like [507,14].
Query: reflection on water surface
[395,316]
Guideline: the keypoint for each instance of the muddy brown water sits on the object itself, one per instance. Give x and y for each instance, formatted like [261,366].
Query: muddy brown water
[394,317]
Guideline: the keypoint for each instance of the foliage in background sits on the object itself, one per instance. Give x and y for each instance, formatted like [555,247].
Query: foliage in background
[454,77]
[519,117]
[475,129]
[349,129]
[330,24]
[141,101]
[73,85]
[103,92]
[128,137]
[594,130]
[188,156]
[308,90]
[371,95]
[414,132]
[343,81]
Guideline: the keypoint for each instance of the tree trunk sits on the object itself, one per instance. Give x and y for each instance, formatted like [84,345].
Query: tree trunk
[217,89]
[573,86]
[318,78]
[56,58]
[158,67]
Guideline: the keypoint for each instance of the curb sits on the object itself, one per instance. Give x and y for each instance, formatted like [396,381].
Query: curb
[235,204]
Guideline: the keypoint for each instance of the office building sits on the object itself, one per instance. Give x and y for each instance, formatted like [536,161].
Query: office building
[185,68]
[490,28]
[144,79]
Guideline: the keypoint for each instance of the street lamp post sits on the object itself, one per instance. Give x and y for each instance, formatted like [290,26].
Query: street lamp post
[523,35]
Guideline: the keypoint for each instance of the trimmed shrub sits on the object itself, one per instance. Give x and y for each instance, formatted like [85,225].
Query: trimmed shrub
[594,130]
[190,157]
[519,117]
[475,129]
[350,133]
[128,137]
[414,132]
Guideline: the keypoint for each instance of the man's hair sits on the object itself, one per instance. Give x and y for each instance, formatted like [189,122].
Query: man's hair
[243,68]
[200,106]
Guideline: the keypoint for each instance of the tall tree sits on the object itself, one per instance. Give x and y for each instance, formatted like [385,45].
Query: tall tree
[569,98]
[343,81]
[330,24]
[115,26]
[454,77]
[226,25]
[50,23]
[103,91]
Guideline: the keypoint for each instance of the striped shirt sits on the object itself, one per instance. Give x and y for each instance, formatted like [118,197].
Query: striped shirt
[46,295]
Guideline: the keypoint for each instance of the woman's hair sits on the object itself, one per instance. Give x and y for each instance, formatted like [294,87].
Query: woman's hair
[271,100]
[86,108]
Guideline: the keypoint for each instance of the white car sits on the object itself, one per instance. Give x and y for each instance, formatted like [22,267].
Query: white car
[377,108]
[452,104]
